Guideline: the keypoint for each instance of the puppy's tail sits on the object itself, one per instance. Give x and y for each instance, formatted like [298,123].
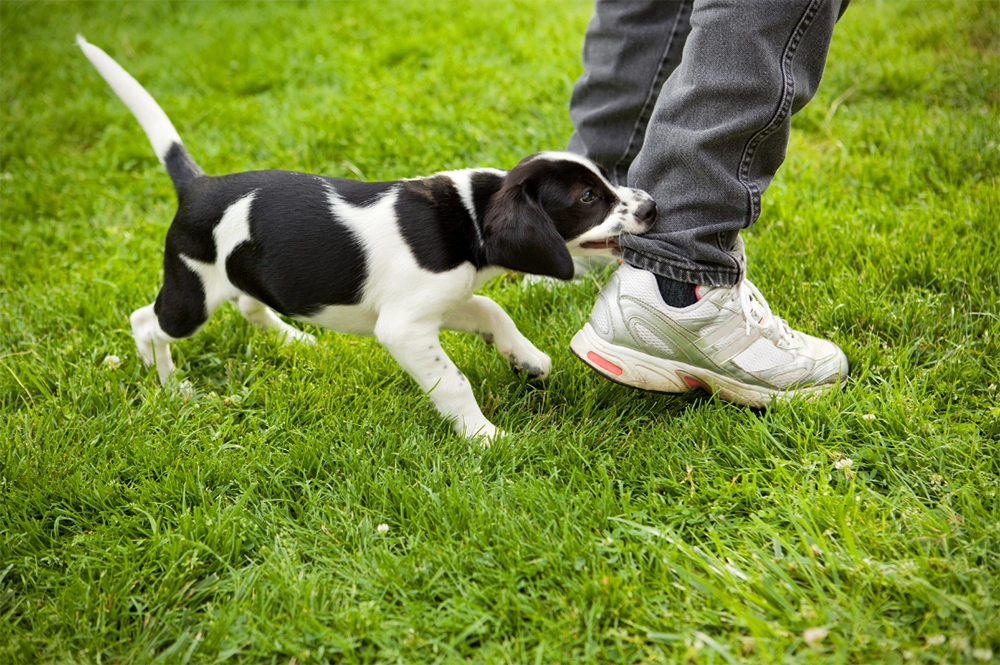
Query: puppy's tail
[166,142]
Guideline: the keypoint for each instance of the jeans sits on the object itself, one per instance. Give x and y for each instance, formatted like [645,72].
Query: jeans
[691,100]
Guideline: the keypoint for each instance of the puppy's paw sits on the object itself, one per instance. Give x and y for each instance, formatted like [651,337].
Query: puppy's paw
[487,440]
[482,431]
[533,362]
[300,336]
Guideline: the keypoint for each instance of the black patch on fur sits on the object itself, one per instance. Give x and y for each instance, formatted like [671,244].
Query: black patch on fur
[484,185]
[300,257]
[538,209]
[180,305]
[558,187]
[520,236]
[437,226]
[181,167]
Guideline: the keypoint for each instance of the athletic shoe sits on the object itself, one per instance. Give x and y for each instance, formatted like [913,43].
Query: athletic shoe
[728,343]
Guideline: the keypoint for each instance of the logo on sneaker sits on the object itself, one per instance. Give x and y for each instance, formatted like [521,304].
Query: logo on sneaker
[604,363]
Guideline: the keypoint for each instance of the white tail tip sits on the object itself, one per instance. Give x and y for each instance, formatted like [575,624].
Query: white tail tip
[154,121]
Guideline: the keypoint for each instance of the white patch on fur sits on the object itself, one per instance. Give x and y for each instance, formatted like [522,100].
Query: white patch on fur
[563,156]
[231,231]
[624,214]
[395,276]
[463,185]
[631,199]
[152,342]
[234,227]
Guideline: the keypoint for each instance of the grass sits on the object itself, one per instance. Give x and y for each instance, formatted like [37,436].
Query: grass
[239,523]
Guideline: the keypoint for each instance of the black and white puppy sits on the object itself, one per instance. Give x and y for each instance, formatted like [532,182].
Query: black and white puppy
[397,260]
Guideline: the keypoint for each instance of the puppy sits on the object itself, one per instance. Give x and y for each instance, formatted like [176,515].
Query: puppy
[398,260]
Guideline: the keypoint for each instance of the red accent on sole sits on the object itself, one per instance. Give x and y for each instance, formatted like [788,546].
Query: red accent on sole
[694,383]
[606,365]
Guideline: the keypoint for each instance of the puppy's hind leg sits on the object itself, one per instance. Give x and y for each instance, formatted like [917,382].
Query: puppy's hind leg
[264,318]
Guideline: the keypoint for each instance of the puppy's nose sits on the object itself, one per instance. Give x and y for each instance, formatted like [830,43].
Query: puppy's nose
[646,212]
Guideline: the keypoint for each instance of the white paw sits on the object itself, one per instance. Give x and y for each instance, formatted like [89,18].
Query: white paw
[528,360]
[296,335]
[487,441]
[482,430]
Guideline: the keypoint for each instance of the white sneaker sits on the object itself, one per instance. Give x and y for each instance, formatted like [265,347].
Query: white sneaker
[728,343]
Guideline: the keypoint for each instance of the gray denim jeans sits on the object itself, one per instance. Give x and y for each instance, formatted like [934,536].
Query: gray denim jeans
[691,100]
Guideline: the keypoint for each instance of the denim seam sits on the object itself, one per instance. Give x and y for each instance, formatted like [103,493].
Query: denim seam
[782,112]
[718,276]
[645,113]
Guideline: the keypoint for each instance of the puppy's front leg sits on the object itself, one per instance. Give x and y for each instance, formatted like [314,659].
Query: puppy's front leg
[484,317]
[416,347]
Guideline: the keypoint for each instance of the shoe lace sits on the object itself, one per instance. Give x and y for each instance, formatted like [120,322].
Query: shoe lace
[758,313]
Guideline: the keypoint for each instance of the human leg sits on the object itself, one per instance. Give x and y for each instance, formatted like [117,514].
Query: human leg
[719,131]
[716,135]
[630,49]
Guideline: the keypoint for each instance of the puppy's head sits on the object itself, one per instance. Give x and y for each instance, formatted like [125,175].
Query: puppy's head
[554,204]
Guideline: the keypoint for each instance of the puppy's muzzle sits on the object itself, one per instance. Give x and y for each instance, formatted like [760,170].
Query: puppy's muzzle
[645,214]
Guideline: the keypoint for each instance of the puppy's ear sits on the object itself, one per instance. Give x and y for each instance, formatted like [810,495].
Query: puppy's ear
[519,235]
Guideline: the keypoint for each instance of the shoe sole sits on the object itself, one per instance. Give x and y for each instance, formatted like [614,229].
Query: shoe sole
[636,369]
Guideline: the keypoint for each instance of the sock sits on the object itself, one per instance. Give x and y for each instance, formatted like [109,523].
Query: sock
[676,294]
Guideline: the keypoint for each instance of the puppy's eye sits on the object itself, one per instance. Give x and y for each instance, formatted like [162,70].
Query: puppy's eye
[588,196]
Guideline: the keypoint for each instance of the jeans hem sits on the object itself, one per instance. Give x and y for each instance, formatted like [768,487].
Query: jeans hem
[682,273]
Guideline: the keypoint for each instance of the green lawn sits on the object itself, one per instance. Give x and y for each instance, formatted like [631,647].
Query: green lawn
[240,523]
